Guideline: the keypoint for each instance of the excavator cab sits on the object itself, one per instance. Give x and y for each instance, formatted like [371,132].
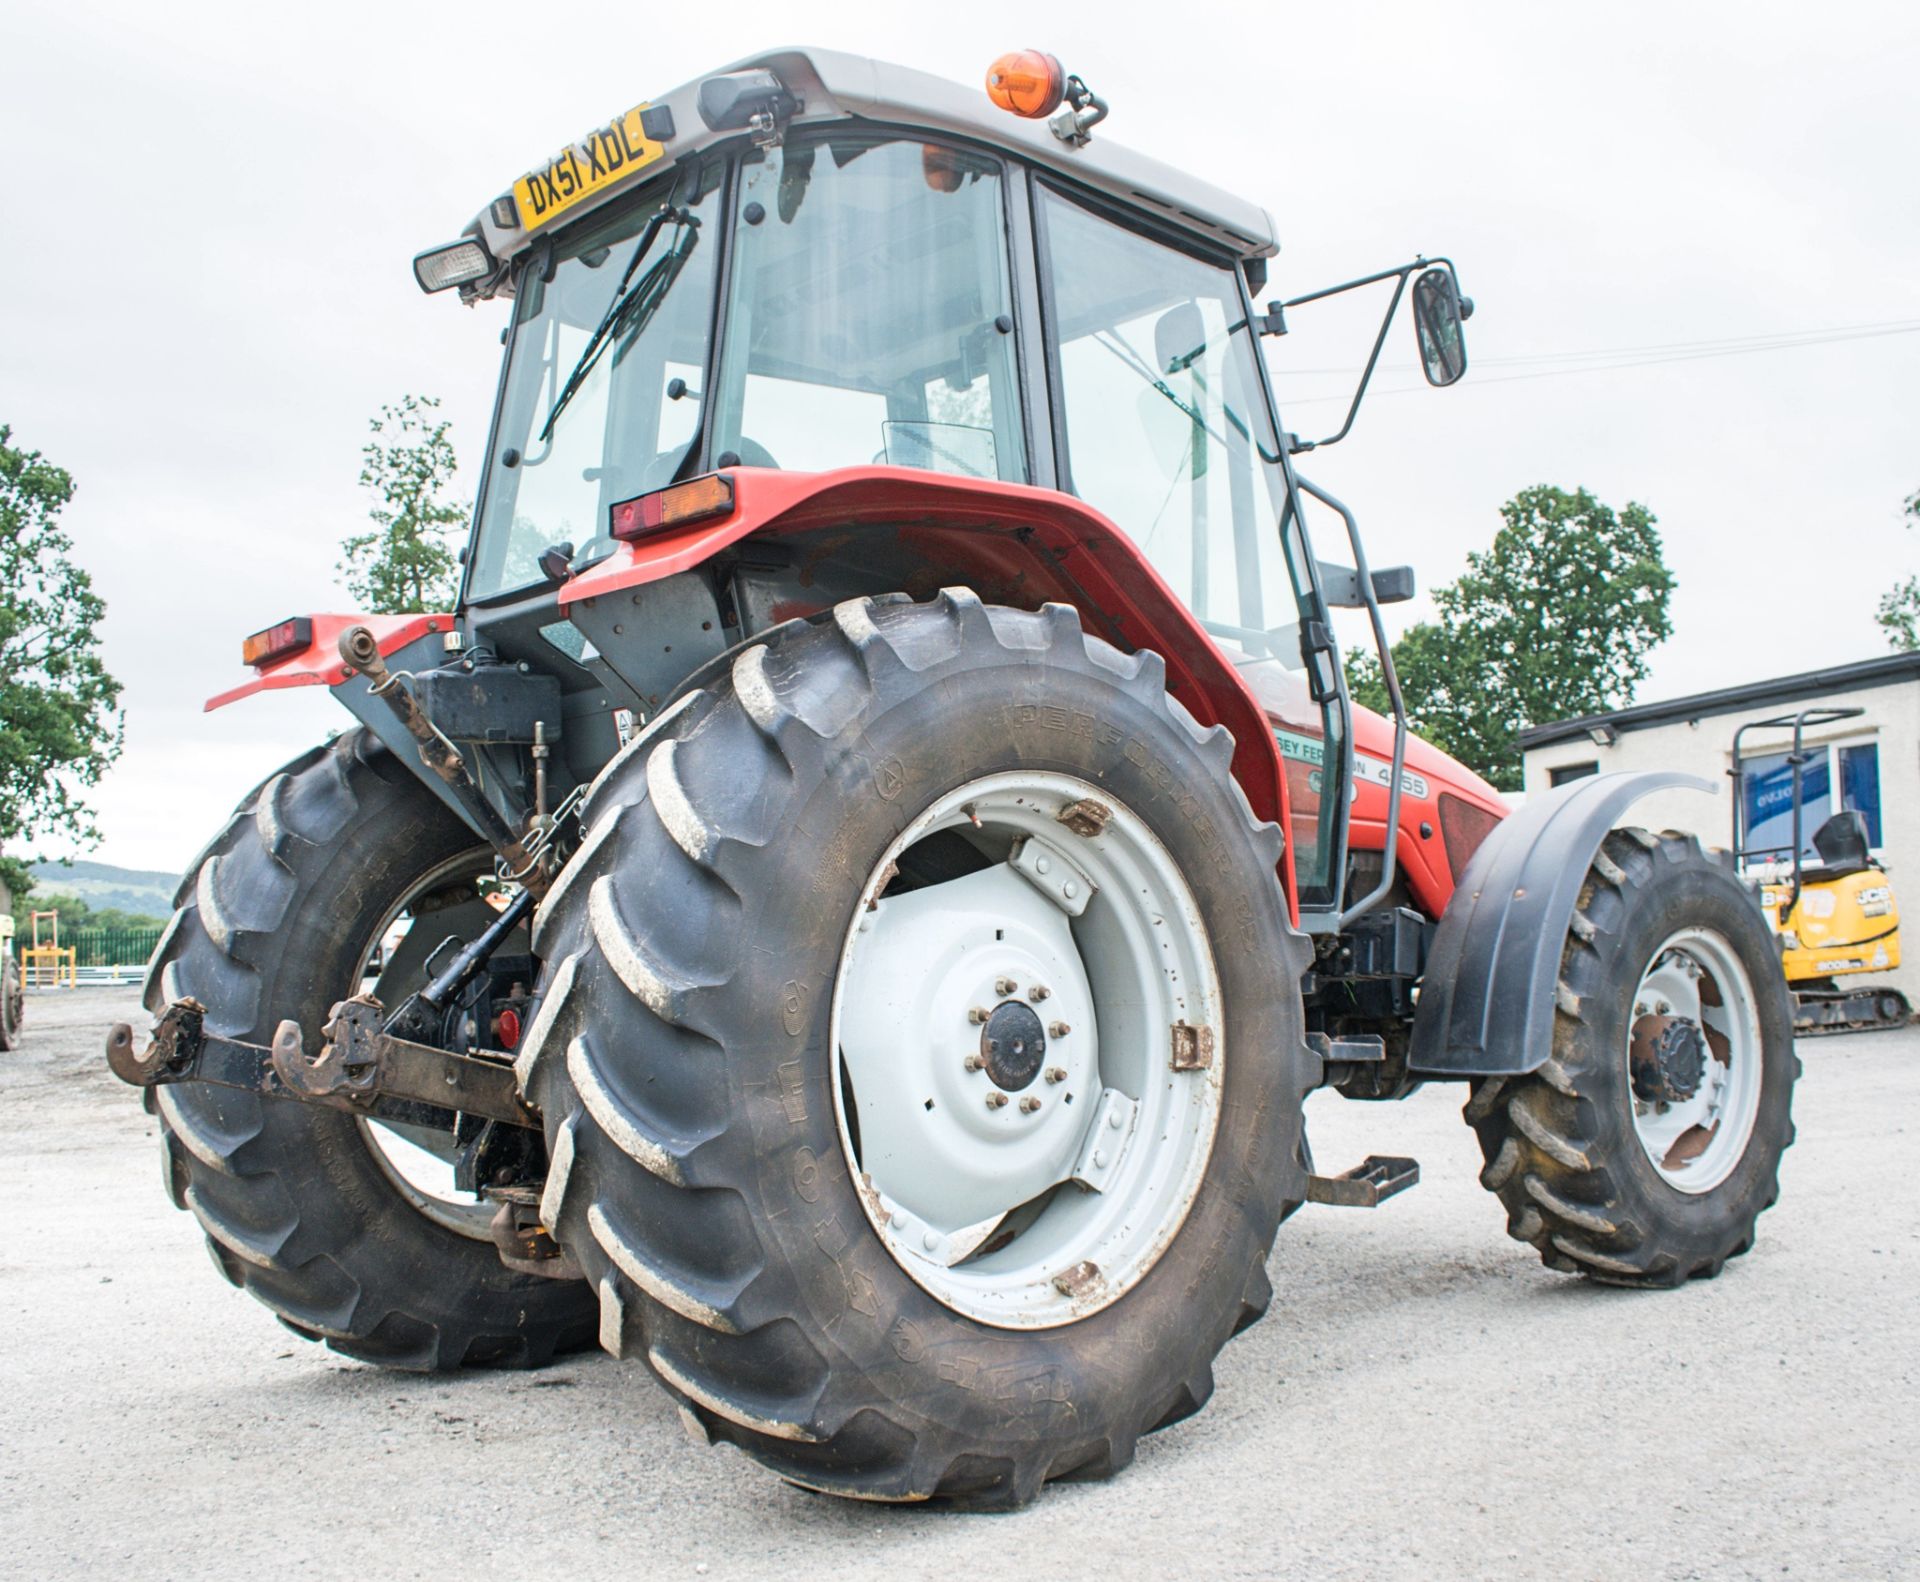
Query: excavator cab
[1834,918]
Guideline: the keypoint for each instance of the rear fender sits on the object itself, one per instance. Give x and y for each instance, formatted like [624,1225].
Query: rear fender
[409,643]
[319,664]
[1486,1002]
[873,528]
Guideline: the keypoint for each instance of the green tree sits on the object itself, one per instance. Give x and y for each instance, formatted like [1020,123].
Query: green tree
[407,563]
[1554,620]
[60,721]
[72,910]
[1899,612]
[75,913]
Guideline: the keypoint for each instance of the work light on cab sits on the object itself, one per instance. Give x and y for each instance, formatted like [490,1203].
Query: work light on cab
[291,636]
[457,264]
[696,500]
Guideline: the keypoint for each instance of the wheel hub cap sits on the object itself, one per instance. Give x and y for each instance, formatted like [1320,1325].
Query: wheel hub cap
[1669,1059]
[1014,1045]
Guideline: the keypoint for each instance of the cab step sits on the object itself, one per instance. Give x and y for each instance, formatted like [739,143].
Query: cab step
[1367,1185]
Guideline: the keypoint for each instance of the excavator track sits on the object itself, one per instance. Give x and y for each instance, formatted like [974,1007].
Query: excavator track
[1820,1011]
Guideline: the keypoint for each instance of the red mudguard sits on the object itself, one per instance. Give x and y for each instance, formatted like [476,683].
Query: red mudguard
[319,664]
[1011,544]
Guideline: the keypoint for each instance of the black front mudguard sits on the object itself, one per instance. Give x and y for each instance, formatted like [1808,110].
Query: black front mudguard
[1486,1001]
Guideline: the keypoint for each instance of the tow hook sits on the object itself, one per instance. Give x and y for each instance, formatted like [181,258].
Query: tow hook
[360,1068]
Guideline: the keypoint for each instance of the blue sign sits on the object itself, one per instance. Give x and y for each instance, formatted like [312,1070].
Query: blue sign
[1767,786]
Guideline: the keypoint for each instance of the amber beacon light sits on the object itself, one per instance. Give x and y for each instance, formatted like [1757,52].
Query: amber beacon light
[1028,82]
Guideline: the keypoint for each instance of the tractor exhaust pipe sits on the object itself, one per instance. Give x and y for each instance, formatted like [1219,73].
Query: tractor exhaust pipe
[361,652]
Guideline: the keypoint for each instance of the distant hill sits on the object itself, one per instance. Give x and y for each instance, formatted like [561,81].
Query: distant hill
[101,885]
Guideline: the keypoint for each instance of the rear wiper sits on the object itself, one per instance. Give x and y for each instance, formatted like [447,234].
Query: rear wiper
[636,302]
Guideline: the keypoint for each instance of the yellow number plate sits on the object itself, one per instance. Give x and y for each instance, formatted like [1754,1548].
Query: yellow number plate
[604,157]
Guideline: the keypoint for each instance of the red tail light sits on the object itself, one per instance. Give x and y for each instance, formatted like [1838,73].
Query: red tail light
[696,500]
[292,636]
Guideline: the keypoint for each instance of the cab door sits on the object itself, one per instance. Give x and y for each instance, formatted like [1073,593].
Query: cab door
[1161,420]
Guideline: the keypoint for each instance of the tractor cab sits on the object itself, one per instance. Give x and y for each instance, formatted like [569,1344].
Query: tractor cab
[810,264]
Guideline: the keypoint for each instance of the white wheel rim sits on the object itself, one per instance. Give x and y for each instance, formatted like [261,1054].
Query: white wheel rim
[417,1160]
[1050,1205]
[1694,1012]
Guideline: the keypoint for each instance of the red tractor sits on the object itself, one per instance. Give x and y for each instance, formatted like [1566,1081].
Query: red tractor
[849,907]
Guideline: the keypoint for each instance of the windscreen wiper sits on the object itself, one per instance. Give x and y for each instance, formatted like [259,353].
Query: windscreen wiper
[1139,366]
[634,301]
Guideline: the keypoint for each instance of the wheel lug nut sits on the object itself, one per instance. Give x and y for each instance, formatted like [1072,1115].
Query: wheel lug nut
[1038,992]
[1029,1104]
[1004,986]
[996,1100]
[977,1015]
[1056,1073]
[1058,1030]
[974,1063]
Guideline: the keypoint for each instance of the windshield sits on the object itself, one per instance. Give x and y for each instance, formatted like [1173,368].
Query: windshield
[609,352]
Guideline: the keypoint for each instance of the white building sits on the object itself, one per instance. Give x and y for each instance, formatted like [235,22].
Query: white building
[1869,762]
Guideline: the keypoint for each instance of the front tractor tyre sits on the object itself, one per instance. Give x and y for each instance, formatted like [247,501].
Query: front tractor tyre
[921,1054]
[337,1224]
[1647,1145]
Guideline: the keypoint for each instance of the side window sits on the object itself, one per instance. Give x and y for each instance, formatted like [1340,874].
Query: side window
[1166,426]
[1860,784]
[1168,433]
[869,320]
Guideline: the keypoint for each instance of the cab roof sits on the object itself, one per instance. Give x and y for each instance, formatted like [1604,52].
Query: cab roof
[833,86]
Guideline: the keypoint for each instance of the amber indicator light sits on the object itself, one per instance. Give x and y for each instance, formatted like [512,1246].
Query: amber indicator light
[276,642]
[1027,82]
[696,500]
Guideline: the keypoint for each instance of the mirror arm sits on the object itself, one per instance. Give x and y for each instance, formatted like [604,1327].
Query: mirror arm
[1366,376]
[1295,444]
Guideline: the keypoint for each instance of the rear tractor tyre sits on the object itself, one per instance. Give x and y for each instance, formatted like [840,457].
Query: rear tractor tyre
[302,1206]
[1644,1149]
[921,1053]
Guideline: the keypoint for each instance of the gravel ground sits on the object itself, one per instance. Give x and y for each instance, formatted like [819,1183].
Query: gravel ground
[1424,1400]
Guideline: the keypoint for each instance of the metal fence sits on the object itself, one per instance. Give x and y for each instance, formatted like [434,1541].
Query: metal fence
[112,947]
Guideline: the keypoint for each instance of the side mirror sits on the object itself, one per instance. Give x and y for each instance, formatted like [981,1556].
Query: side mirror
[1438,313]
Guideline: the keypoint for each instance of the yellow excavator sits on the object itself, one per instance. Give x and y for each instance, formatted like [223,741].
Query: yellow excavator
[1835,918]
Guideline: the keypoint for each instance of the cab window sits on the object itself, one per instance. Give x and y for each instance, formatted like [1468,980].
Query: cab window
[1166,430]
[601,395]
[869,314]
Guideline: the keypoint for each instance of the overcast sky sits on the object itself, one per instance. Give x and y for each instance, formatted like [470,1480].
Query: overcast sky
[209,212]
